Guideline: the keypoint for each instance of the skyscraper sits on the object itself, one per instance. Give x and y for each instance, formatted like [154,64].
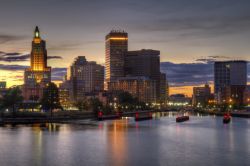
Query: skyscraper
[38,74]
[145,62]
[228,76]
[116,47]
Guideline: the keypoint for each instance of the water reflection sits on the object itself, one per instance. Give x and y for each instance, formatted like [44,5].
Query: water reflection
[204,140]
[116,142]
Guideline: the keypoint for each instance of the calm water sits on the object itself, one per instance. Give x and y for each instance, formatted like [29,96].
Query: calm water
[201,141]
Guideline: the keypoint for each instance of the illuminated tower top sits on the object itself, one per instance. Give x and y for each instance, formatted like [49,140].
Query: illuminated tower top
[37,33]
[38,59]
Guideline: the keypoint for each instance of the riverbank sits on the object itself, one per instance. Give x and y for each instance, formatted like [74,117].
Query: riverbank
[61,117]
[233,114]
[40,117]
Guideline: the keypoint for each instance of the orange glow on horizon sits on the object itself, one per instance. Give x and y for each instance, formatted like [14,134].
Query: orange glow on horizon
[186,90]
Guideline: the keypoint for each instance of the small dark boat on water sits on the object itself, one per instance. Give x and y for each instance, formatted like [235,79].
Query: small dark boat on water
[101,116]
[182,119]
[226,118]
[143,116]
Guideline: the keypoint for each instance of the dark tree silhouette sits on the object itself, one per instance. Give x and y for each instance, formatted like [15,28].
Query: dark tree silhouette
[50,99]
[11,99]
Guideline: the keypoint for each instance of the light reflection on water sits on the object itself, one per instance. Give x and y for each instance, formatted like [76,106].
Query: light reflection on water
[203,140]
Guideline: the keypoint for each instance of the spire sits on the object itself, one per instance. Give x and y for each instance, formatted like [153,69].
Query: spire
[37,33]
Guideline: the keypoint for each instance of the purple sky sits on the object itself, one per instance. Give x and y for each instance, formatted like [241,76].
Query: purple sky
[185,31]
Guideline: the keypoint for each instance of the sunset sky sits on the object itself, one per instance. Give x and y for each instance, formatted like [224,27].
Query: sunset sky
[191,34]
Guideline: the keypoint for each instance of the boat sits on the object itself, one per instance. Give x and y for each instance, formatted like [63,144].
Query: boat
[143,116]
[182,119]
[226,118]
[101,117]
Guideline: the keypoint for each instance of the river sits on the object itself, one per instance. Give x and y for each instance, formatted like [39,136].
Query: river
[202,141]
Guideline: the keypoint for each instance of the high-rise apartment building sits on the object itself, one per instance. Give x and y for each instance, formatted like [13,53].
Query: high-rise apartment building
[38,74]
[228,75]
[116,47]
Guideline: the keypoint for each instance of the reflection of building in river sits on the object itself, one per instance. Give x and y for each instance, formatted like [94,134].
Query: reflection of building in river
[117,142]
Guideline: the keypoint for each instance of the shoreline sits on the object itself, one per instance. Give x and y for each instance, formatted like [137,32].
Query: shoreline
[72,119]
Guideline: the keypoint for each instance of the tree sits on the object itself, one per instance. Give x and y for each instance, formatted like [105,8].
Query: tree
[95,105]
[50,99]
[126,100]
[82,105]
[11,99]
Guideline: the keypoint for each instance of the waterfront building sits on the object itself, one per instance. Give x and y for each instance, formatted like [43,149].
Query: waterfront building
[163,89]
[2,84]
[64,96]
[201,95]
[84,77]
[229,77]
[233,95]
[3,88]
[167,90]
[144,63]
[116,46]
[247,95]
[143,88]
[179,100]
[38,74]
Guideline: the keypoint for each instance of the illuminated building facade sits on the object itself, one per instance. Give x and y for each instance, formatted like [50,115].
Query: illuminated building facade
[38,74]
[142,88]
[201,95]
[116,48]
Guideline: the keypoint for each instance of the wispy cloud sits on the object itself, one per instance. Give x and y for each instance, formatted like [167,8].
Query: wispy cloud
[212,59]
[58,74]
[12,67]
[8,38]
[54,57]
[19,57]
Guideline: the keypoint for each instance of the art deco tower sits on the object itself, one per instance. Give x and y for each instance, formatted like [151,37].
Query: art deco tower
[38,74]
[38,59]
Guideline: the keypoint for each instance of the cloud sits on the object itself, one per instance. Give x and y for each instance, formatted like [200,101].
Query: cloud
[12,67]
[54,57]
[13,57]
[187,73]
[19,57]
[8,38]
[190,74]
[58,74]
[64,47]
[212,59]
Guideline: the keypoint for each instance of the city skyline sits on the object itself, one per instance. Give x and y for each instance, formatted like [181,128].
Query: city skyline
[197,44]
